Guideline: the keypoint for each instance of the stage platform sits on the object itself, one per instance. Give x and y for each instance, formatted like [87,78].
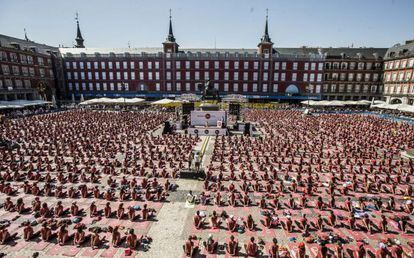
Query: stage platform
[207,131]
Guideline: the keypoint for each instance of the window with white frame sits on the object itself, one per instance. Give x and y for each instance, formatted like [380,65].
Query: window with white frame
[226,75]
[275,87]
[103,65]
[236,64]
[157,86]
[83,86]
[265,76]
[81,65]
[236,76]
[264,87]
[157,76]
[149,65]
[283,77]
[187,64]
[255,76]
[125,75]
[178,86]
[82,75]
[216,64]
[187,86]
[149,75]
[132,75]
[283,65]
[70,85]
[95,65]
[141,65]
[197,64]
[89,75]
[118,75]
[206,75]
[266,65]
[216,75]
[312,77]
[206,64]
[157,65]
[96,75]
[132,64]
[245,76]
[318,89]
[124,65]
[88,65]
[168,75]
[117,65]
[319,78]
[141,75]
[313,66]
[168,86]
[75,75]
[276,76]
[226,65]
[294,77]
[168,64]
[295,65]
[277,65]
[216,86]
[74,65]
[320,68]
[90,86]
[69,75]
[178,75]
[77,86]
[256,65]
[254,87]
[306,66]
[226,87]
[178,64]
[187,76]
[110,65]
[112,86]
[98,86]
[245,87]
[246,65]
[235,87]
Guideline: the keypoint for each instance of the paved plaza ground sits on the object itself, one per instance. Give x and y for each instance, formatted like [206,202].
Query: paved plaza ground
[330,152]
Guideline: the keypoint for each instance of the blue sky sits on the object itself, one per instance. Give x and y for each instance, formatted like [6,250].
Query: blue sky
[224,23]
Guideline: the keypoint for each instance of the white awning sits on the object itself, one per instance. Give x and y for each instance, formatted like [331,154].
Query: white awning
[22,103]
[165,102]
[109,101]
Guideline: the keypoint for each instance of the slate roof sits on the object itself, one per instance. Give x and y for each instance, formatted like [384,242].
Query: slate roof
[7,41]
[401,51]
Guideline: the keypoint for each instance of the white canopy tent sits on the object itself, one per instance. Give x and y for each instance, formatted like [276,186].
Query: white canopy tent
[400,107]
[340,103]
[14,104]
[116,101]
[165,102]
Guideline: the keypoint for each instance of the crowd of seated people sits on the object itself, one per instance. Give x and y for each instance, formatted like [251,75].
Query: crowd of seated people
[344,170]
[76,168]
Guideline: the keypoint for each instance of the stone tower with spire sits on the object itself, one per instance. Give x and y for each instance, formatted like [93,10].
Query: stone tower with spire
[170,46]
[266,45]
[79,39]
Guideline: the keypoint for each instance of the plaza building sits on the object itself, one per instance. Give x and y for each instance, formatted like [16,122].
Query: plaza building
[26,69]
[266,72]
[399,74]
[353,73]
